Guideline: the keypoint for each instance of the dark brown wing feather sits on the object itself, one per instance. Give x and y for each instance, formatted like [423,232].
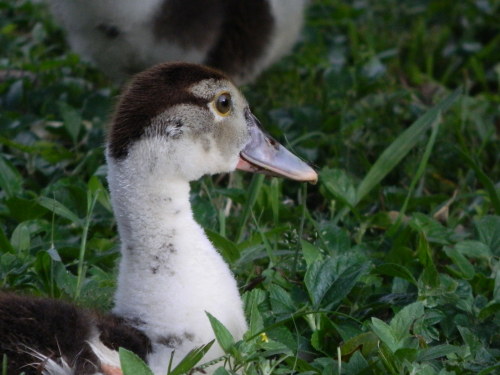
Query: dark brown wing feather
[57,329]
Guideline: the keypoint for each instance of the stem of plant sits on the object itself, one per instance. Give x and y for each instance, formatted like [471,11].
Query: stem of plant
[254,188]
[91,201]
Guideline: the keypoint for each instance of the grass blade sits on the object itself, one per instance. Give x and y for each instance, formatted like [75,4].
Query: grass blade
[484,180]
[222,334]
[59,209]
[419,173]
[398,149]
[131,364]
[254,189]
[191,359]
[91,201]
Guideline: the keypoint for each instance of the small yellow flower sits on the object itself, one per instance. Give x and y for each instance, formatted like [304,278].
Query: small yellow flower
[264,337]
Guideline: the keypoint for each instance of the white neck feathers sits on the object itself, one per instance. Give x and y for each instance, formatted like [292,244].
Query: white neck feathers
[170,274]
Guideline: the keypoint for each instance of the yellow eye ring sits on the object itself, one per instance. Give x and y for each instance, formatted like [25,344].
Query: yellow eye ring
[223,103]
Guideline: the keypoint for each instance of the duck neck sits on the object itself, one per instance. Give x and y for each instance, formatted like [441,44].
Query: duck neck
[155,225]
[150,216]
[170,274]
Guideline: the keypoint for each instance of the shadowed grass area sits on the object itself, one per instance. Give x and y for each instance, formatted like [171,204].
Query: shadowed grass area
[389,265]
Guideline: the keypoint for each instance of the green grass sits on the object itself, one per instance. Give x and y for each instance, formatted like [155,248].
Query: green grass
[389,265]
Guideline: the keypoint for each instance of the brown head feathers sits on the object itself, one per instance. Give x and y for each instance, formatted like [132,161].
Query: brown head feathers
[149,94]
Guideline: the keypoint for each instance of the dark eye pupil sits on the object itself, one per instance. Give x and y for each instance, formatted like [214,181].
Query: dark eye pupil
[224,103]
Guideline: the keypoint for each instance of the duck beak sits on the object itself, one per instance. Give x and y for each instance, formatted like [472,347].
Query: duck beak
[263,154]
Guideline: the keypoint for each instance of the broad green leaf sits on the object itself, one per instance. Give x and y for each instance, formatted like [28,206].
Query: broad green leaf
[72,120]
[273,347]
[11,264]
[470,338]
[316,340]
[403,320]
[283,335]
[356,365]
[191,359]
[252,300]
[131,364]
[434,352]
[329,281]
[395,270]
[22,209]
[256,322]
[344,283]
[281,301]
[426,369]
[59,209]
[319,277]
[464,266]
[54,254]
[226,247]
[64,279]
[367,341]
[402,145]
[434,231]
[301,366]
[10,179]
[311,253]
[21,237]
[426,328]
[385,333]
[488,229]
[340,185]
[222,334]
[406,354]
[473,249]
[490,309]
[345,329]
[335,239]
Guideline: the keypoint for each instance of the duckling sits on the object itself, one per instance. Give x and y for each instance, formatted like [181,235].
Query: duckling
[173,124]
[239,37]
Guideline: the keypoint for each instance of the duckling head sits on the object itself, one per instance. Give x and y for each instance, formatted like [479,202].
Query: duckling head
[184,121]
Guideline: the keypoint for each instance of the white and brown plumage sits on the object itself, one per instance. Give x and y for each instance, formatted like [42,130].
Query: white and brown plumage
[239,37]
[173,124]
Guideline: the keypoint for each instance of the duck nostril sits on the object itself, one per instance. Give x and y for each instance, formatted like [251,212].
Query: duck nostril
[272,142]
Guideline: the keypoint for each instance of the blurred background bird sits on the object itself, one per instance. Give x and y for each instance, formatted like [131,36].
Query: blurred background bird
[123,37]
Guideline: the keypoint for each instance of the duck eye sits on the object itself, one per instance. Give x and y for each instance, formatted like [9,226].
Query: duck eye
[223,104]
